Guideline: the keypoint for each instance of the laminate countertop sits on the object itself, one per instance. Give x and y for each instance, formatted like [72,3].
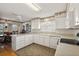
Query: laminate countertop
[69,36]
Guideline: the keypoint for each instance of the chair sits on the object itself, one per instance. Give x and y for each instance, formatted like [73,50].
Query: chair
[1,42]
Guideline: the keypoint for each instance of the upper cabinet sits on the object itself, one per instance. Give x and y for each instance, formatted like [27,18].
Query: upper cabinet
[48,26]
[73,14]
[60,23]
[43,25]
[71,18]
[68,21]
[35,25]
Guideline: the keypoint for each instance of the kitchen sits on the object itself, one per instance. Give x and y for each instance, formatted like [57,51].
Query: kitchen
[47,30]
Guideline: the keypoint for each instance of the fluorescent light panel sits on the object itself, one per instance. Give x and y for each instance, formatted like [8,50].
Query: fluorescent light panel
[34,6]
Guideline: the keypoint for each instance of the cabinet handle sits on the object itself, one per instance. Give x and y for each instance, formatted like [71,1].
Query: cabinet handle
[58,42]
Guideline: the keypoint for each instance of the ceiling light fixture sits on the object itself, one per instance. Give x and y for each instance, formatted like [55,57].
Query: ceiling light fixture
[34,6]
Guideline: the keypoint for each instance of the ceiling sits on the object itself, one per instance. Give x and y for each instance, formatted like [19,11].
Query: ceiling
[13,11]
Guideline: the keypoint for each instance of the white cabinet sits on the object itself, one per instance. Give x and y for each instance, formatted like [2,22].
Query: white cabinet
[68,21]
[13,43]
[46,41]
[73,14]
[35,25]
[47,26]
[41,39]
[71,20]
[36,38]
[20,41]
[61,23]
[28,39]
[53,42]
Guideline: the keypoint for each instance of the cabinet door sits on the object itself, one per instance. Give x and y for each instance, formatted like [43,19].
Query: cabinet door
[20,42]
[28,39]
[46,41]
[20,45]
[49,26]
[41,40]
[72,18]
[53,42]
[13,43]
[35,25]
[60,23]
[36,38]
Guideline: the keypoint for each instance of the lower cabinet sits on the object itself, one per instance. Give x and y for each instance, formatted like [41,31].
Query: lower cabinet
[28,40]
[19,45]
[41,39]
[53,42]
[36,38]
[45,41]
[19,42]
